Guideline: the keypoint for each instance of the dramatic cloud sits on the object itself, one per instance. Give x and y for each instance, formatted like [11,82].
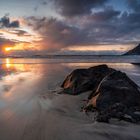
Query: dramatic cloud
[20,32]
[56,34]
[134,5]
[76,23]
[106,26]
[6,23]
[107,14]
[70,8]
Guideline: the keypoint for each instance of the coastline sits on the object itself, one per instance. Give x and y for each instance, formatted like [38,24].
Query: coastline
[73,59]
[32,109]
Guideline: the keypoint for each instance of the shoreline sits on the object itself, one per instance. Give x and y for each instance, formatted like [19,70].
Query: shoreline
[72,59]
[69,56]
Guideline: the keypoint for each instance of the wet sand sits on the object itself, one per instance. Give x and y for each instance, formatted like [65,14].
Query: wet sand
[31,109]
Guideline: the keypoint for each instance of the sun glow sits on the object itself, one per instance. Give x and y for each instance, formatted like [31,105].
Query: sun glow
[8,49]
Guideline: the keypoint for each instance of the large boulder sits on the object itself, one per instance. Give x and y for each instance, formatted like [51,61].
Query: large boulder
[116,96]
[113,93]
[82,80]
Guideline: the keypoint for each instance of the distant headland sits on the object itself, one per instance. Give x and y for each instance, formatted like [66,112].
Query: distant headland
[134,51]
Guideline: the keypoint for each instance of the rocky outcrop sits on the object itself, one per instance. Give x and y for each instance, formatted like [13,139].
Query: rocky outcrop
[81,80]
[116,96]
[113,93]
[135,51]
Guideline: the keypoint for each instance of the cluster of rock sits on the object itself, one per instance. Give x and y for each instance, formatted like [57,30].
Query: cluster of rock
[113,93]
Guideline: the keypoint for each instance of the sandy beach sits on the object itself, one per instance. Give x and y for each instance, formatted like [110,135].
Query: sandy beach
[37,112]
[69,69]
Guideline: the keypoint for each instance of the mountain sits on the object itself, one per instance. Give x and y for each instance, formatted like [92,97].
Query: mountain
[135,51]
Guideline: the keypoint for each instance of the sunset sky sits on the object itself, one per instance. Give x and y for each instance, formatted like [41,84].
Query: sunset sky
[29,27]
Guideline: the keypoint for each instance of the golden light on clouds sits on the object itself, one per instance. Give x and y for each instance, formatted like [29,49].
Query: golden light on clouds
[19,40]
[7,49]
[22,46]
[22,35]
[99,48]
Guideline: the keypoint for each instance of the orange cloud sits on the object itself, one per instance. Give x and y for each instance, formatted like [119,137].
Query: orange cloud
[99,48]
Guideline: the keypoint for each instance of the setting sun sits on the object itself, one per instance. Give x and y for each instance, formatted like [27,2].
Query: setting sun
[8,49]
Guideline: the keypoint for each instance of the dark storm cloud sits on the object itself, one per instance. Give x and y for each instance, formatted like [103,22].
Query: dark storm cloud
[56,34]
[6,23]
[108,14]
[122,28]
[20,32]
[107,28]
[134,5]
[70,8]
[103,26]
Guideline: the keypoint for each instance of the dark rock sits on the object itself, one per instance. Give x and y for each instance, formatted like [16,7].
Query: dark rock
[138,64]
[135,51]
[116,96]
[113,93]
[82,80]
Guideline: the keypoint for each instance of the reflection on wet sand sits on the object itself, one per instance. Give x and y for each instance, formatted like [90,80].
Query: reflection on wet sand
[23,114]
[11,66]
[19,81]
[15,78]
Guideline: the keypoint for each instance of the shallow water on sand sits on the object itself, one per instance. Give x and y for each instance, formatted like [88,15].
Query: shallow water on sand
[30,109]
